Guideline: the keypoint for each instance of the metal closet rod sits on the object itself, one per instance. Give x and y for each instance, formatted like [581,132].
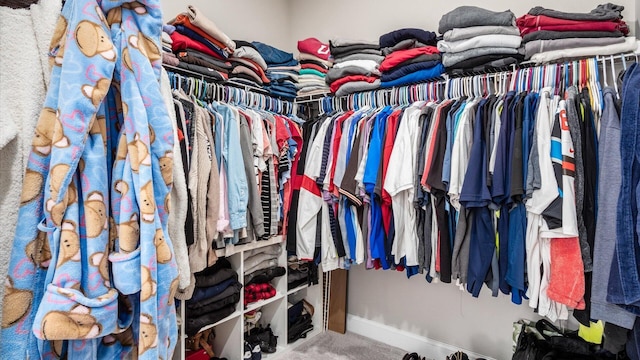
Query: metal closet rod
[504,70]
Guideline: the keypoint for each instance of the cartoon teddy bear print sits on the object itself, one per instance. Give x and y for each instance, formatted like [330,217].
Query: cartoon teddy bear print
[147,46]
[166,167]
[138,153]
[126,59]
[97,92]
[147,203]
[148,334]
[16,305]
[136,6]
[38,250]
[101,261]
[78,323]
[121,152]
[125,338]
[99,127]
[31,187]
[48,131]
[95,214]
[129,234]
[163,252]
[58,41]
[69,243]
[173,289]
[92,40]
[56,175]
[148,286]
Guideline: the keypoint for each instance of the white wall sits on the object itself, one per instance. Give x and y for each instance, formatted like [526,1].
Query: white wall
[266,21]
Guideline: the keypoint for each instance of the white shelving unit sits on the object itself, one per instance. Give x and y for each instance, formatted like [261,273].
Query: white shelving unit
[229,341]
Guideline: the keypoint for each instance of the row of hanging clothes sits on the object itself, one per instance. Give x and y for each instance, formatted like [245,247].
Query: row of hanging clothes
[233,160]
[486,180]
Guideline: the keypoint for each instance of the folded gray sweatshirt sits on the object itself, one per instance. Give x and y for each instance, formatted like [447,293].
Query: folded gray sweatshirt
[450,59]
[465,16]
[356,86]
[603,12]
[538,46]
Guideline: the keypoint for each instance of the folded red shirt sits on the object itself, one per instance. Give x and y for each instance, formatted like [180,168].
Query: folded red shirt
[580,26]
[181,42]
[314,67]
[528,20]
[255,292]
[314,47]
[400,56]
[336,84]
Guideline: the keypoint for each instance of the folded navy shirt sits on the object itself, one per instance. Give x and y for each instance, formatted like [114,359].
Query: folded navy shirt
[197,306]
[394,37]
[199,38]
[415,77]
[208,292]
[400,71]
[216,278]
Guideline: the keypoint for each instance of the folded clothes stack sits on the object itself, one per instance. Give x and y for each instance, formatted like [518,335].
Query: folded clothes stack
[476,39]
[355,66]
[315,62]
[199,45]
[550,35]
[215,297]
[248,66]
[410,57]
[300,272]
[261,267]
[282,70]
[300,316]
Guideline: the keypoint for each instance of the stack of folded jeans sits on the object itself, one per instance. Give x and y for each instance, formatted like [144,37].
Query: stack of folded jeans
[248,66]
[551,35]
[410,57]
[476,39]
[282,70]
[315,62]
[355,66]
[199,44]
[215,297]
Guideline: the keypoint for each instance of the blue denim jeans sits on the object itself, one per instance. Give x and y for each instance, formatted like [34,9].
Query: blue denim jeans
[624,281]
[273,56]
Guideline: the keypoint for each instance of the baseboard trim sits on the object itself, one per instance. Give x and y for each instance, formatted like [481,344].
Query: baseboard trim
[429,348]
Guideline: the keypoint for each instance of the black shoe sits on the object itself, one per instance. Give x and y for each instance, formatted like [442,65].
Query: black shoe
[458,356]
[412,356]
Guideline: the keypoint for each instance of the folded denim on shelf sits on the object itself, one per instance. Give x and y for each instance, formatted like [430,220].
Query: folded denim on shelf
[233,289]
[193,325]
[215,278]
[214,306]
[211,291]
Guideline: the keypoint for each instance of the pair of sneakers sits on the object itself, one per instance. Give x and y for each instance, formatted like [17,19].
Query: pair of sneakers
[264,338]
[412,356]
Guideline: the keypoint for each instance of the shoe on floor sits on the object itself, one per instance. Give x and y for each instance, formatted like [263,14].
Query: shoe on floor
[458,356]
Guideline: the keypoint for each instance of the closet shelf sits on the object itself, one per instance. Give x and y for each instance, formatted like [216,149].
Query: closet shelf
[236,314]
[295,290]
[234,249]
[260,303]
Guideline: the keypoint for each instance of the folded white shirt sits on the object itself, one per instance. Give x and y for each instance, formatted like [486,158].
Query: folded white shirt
[473,31]
[504,41]
[630,44]
[368,65]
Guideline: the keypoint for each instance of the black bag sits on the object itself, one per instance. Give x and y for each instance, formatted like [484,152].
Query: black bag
[544,341]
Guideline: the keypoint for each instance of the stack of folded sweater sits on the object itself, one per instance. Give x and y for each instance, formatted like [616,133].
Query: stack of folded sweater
[248,66]
[315,62]
[215,297]
[551,35]
[355,66]
[261,267]
[410,57]
[199,44]
[282,70]
[476,39]
[168,57]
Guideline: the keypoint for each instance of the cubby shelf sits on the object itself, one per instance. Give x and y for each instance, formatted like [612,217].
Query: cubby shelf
[229,340]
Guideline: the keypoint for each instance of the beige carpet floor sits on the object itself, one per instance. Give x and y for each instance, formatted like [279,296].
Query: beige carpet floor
[334,346]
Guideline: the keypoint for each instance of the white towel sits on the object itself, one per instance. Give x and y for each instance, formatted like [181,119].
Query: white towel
[24,78]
